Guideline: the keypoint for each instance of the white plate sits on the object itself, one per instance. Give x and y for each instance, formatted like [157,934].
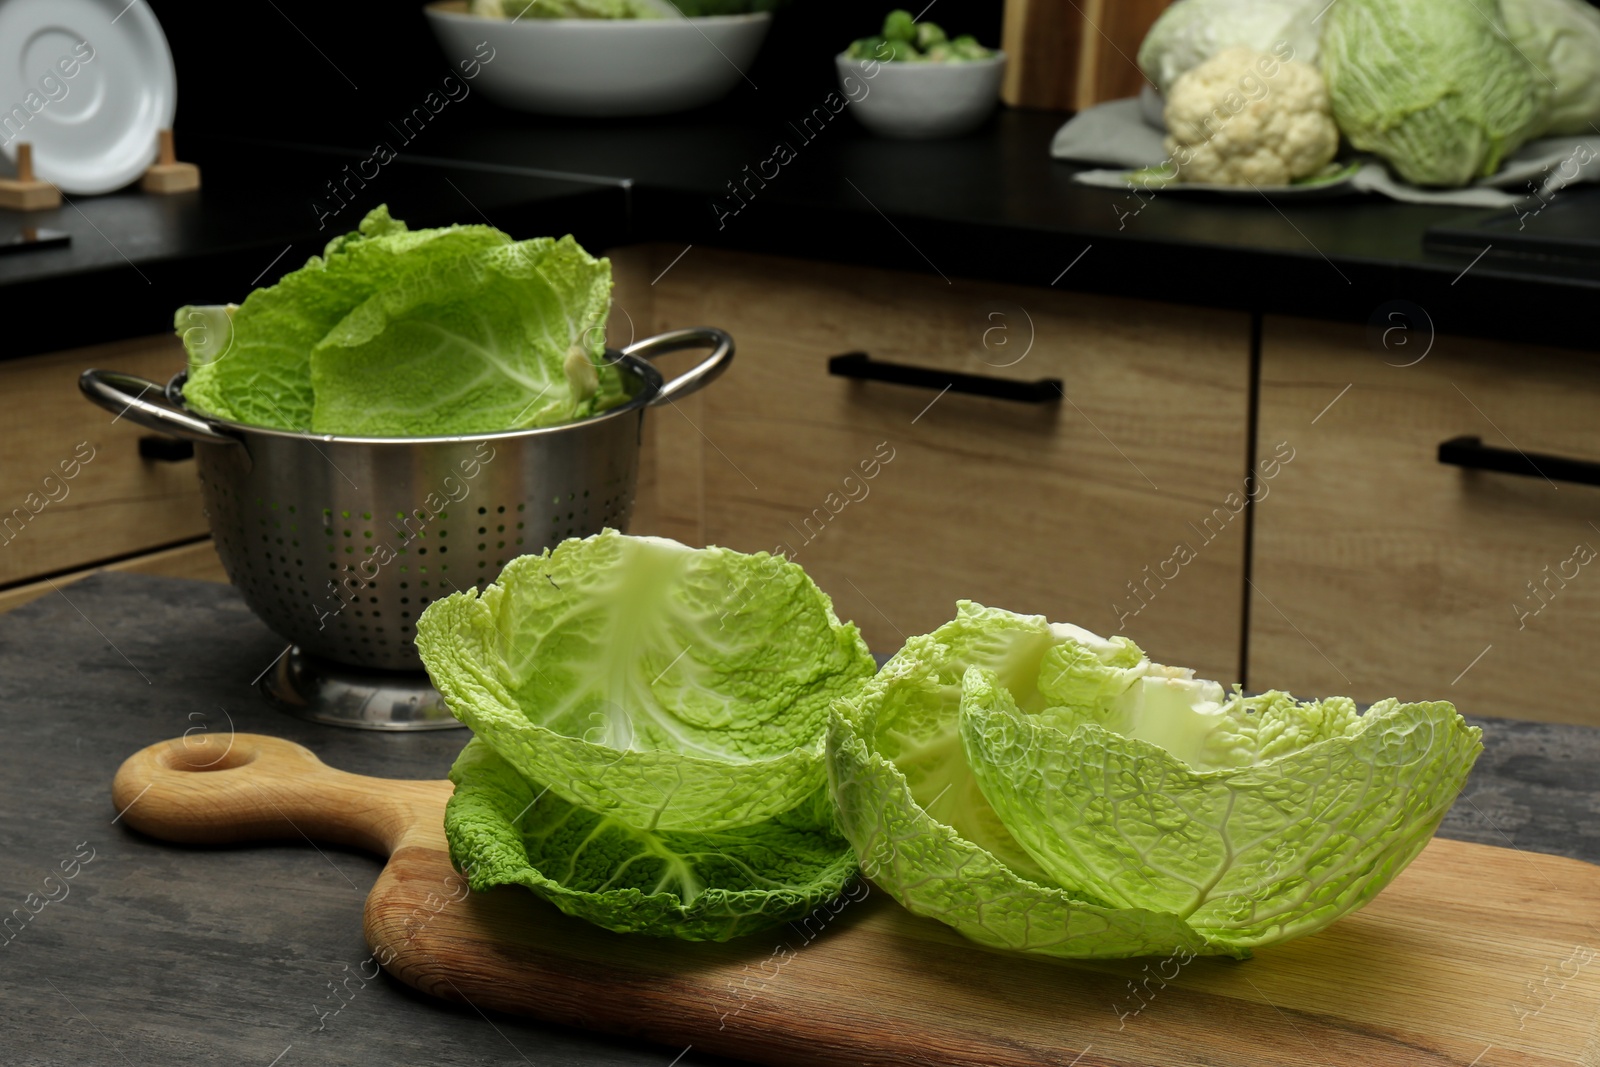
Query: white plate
[96,130]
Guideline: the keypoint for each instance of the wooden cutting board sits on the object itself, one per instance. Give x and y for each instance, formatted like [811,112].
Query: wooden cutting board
[1474,956]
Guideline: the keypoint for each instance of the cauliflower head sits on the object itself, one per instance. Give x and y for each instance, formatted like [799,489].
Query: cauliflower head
[1245,117]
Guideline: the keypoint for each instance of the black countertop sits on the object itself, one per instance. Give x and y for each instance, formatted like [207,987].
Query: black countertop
[164,954]
[135,259]
[990,206]
[996,206]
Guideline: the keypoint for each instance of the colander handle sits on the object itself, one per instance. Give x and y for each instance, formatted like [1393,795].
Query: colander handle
[124,395]
[702,373]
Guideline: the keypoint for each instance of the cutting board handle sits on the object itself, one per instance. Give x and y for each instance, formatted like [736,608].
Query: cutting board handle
[215,788]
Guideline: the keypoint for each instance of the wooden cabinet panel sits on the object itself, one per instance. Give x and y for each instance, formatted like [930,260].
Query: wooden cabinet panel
[73,489]
[1379,571]
[900,500]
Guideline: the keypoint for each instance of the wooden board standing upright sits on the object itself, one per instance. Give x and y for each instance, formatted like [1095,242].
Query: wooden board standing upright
[1071,56]
[1474,956]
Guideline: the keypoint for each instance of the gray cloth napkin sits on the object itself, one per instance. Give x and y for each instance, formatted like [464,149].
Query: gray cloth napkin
[1117,134]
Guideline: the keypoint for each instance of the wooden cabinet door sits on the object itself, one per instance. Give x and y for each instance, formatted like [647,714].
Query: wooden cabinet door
[899,501]
[73,488]
[1380,571]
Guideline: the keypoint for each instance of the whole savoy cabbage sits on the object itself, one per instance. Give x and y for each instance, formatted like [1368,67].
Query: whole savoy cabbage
[1435,88]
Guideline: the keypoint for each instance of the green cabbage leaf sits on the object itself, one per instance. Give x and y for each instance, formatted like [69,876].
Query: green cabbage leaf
[667,687]
[505,830]
[468,344]
[1042,788]
[394,332]
[1258,820]
[913,810]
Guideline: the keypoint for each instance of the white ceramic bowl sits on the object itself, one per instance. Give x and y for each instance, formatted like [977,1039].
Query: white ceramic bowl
[922,100]
[601,67]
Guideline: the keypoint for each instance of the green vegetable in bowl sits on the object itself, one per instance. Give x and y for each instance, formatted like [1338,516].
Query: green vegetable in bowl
[1042,788]
[404,333]
[1436,89]
[967,47]
[874,47]
[905,40]
[671,688]
[904,52]
[899,25]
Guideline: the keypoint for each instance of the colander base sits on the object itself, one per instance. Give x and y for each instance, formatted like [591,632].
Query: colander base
[312,688]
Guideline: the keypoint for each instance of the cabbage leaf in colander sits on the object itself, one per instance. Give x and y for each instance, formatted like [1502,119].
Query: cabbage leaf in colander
[403,333]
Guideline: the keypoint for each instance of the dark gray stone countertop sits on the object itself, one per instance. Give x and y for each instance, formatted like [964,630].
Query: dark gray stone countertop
[162,954]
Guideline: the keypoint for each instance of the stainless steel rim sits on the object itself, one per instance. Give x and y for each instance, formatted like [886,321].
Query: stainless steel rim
[129,396]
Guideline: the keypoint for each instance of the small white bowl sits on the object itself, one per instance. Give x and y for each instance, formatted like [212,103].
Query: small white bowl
[600,67]
[917,101]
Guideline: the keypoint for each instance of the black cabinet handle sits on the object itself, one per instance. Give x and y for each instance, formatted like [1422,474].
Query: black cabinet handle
[1473,454]
[863,367]
[165,449]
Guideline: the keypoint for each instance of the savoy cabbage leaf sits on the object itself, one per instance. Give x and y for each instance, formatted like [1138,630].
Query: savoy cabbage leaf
[1039,787]
[393,332]
[506,830]
[911,807]
[669,687]
[1262,819]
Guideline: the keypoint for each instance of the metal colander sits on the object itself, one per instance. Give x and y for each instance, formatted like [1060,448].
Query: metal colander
[339,543]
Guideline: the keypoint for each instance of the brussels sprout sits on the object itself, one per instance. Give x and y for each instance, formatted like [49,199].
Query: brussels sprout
[898,25]
[967,47]
[903,52]
[906,40]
